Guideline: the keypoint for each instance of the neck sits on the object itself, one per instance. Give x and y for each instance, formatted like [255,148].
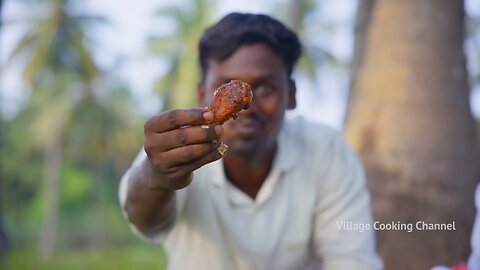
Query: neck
[249,173]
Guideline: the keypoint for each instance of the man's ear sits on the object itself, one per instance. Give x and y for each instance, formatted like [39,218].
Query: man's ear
[201,94]
[292,90]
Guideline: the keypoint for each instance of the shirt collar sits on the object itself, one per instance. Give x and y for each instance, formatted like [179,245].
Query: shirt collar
[286,158]
[289,147]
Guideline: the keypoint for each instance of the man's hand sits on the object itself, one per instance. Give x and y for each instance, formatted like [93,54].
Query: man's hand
[178,142]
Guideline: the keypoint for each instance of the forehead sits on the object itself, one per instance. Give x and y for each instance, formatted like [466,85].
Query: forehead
[248,62]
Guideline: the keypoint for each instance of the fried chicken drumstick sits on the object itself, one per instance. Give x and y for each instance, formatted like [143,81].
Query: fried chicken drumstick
[229,99]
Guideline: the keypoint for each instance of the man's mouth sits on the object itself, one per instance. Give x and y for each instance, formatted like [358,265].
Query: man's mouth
[247,127]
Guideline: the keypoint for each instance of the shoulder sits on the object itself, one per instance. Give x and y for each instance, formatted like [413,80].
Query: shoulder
[318,145]
[311,135]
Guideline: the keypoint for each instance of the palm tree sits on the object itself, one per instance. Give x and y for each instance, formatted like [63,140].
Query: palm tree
[301,16]
[410,120]
[60,70]
[303,19]
[179,49]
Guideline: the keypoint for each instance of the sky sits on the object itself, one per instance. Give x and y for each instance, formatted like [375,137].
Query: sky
[322,106]
[120,46]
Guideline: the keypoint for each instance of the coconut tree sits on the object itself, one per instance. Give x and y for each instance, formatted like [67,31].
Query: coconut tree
[302,17]
[410,120]
[179,49]
[59,69]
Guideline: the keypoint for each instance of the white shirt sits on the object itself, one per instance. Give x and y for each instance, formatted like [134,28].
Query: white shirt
[316,182]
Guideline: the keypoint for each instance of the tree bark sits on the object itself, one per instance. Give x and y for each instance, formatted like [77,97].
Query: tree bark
[409,119]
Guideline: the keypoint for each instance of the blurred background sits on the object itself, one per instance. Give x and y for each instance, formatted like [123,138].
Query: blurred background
[79,78]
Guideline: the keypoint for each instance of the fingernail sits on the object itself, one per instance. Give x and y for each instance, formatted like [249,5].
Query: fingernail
[208,116]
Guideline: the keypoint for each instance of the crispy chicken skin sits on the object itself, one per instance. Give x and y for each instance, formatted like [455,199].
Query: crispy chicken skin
[229,99]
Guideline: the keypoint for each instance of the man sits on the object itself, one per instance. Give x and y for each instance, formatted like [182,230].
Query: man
[278,197]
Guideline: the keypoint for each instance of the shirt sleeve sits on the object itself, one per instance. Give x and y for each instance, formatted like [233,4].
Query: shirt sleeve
[158,237]
[123,188]
[122,195]
[344,237]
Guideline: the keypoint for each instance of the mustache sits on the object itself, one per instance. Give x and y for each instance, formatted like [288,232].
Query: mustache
[250,118]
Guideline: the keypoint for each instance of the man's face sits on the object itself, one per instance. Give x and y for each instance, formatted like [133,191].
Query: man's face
[255,130]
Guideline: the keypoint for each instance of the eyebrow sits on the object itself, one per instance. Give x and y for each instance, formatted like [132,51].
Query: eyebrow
[260,79]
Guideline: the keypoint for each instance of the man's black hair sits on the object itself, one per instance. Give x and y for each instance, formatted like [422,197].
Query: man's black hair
[221,40]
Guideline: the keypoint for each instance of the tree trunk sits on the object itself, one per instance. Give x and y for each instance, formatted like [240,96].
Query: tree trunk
[409,119]
[99,238]
[51,189]
[295,15]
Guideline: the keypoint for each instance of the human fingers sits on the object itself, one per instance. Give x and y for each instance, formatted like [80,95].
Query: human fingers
[186,154]
[186,136]
[180,171]
[178,118]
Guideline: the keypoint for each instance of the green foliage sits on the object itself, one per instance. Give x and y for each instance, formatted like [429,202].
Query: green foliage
[98,135]
[76,184]
[90,119]
[304,17]
[179,48]
[136,257]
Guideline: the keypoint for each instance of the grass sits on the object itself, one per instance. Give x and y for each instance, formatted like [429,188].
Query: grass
[121,258]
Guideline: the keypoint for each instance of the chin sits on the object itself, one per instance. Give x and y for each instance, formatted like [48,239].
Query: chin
[243,148]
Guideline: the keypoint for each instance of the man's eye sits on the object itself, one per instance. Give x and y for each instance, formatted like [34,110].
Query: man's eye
[263,90]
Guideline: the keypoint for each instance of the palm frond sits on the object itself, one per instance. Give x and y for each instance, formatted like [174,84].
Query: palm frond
[38,58]
[163,45]
[85,56]
[23,46]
